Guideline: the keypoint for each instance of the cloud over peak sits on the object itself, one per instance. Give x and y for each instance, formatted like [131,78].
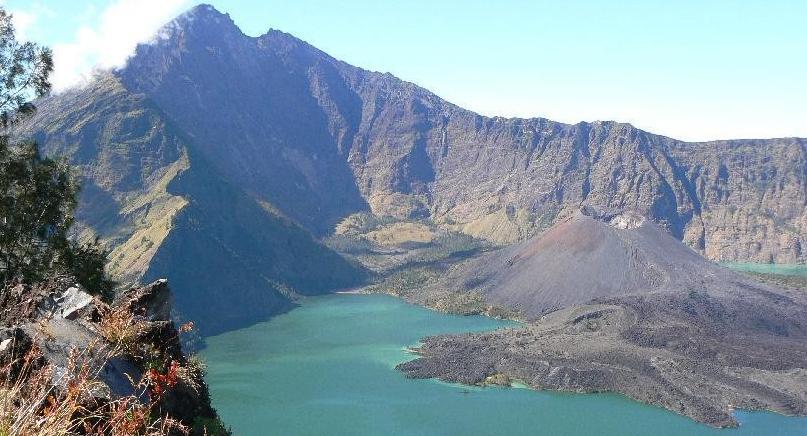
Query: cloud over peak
[110,40]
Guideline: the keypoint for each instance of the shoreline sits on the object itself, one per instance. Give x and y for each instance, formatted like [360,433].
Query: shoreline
[352,291]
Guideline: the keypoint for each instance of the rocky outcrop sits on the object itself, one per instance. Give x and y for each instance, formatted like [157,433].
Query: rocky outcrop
[119,343]
[59,297]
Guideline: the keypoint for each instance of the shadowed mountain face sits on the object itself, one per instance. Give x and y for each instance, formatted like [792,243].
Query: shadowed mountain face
[165,211]
[250,107]
[297,140]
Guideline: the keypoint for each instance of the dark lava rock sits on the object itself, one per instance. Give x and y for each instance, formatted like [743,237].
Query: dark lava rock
[647,317]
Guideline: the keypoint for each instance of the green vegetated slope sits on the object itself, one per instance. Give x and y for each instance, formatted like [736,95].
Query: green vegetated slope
[126,154]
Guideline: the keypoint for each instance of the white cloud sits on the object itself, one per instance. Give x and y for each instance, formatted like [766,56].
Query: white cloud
[22,22]
[120,27]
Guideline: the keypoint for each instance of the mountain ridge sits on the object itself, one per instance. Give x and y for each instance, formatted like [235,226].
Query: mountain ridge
[210,11]
[312,139]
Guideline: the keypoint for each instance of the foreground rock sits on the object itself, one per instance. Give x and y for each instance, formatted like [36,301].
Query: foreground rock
[647,318]
[130,347]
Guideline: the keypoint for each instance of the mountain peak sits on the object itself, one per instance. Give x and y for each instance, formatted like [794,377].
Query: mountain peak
[200,18]
[204,10]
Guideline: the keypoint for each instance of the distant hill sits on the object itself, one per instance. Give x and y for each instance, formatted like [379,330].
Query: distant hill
[581,258]
[590,255]
[221,158]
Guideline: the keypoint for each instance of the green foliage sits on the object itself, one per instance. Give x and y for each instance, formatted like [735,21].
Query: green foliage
[85,262]
[447,245]
[350,244]
[788,281]
[37,198]
[37,194]
[24,71]
[406,281]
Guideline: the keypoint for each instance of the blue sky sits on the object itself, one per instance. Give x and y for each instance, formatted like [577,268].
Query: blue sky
[696,70]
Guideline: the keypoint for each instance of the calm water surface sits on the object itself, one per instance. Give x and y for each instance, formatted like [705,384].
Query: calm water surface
[770,268]
[327,368]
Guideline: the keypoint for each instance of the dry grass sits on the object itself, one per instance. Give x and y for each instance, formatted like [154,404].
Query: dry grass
[120,327]
[500,227]
[147,220]
[401,232]
[43,400]
[27,400]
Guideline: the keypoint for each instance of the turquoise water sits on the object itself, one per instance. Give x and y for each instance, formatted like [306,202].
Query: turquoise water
[769,268]
[327,368]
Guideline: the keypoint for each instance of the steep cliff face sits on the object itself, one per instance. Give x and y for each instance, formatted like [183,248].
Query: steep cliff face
[505,179]
[320,138]
[753,198]
[236,259]
[299,140]
[249,109]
